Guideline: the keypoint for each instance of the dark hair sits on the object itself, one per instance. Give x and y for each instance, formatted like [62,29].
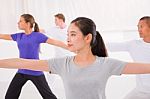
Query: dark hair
[147,19]
[87,26]
[60,16]
[29,18]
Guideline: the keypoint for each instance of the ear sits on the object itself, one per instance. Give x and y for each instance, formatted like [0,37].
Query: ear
[28,23]
[88,38]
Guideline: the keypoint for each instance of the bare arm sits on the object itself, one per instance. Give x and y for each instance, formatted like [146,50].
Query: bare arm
[18,63]
[5,36]
[56,43]
[136,68]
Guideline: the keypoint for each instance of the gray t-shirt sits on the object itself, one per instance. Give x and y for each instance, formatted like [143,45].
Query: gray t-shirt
[88,82]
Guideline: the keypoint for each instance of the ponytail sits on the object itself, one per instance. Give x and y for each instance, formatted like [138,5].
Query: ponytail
[29,18]
[98,46]
[36,27]
[87,26]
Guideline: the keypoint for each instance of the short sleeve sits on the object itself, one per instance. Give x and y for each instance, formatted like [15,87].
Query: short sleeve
[41,38]
[16,36]
[115,66]
[57,65]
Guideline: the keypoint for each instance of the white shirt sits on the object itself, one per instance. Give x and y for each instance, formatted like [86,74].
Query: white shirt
[59,34]
[140,52]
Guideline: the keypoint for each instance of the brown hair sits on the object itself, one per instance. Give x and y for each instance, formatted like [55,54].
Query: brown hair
[29,18]
[60,16]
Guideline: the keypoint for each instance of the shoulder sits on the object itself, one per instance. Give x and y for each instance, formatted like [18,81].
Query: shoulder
[136,42]
[38,33]
[65,59]
[108,60]
[18,34]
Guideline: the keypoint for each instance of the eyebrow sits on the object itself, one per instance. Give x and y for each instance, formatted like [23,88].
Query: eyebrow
[72,32]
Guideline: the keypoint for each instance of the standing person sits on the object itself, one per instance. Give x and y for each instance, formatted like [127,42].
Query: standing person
[28,44]
[84,75]
[140,52]
[59,31]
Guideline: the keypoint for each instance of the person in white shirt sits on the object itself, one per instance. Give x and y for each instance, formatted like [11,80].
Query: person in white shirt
[140,52]
[59,32]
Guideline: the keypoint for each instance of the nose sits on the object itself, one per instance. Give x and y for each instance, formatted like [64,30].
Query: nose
[139,29]
[68,39]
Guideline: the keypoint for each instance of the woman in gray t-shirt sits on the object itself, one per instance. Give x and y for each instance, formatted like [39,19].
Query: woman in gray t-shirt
[84,75]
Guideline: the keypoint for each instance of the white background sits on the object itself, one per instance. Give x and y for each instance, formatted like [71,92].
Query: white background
[115,19]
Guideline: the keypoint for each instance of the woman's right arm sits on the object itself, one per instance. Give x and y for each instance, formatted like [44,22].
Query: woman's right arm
[5,36]
[19,63]
[57,43]
[117,46]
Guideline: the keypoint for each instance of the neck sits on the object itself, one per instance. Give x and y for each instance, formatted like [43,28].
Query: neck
[28,31]
[146,39]
[85,58]
[62,26]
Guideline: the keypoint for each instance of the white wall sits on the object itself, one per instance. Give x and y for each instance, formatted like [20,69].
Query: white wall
[107,14]
[115,19]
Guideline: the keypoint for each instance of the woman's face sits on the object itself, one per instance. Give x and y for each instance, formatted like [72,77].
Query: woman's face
[22,25]
[76,40]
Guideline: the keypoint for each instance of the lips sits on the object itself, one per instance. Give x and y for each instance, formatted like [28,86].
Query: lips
[69,45]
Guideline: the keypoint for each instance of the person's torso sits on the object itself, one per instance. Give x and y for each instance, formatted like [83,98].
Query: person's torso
[79,82]
[28,46]
[140,52]
[59,34]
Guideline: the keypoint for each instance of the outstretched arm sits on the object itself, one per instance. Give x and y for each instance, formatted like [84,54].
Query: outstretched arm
[117,46]
[18,63]
[57,43]
[136,68]
[5,36]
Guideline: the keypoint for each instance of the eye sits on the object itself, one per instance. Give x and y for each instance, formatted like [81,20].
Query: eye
[73,34]
[139,26]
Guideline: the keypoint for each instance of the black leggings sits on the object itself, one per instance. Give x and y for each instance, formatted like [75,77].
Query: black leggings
[19,80]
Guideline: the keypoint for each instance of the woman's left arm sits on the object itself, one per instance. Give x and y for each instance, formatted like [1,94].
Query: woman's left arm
[57,43]
[136,68]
